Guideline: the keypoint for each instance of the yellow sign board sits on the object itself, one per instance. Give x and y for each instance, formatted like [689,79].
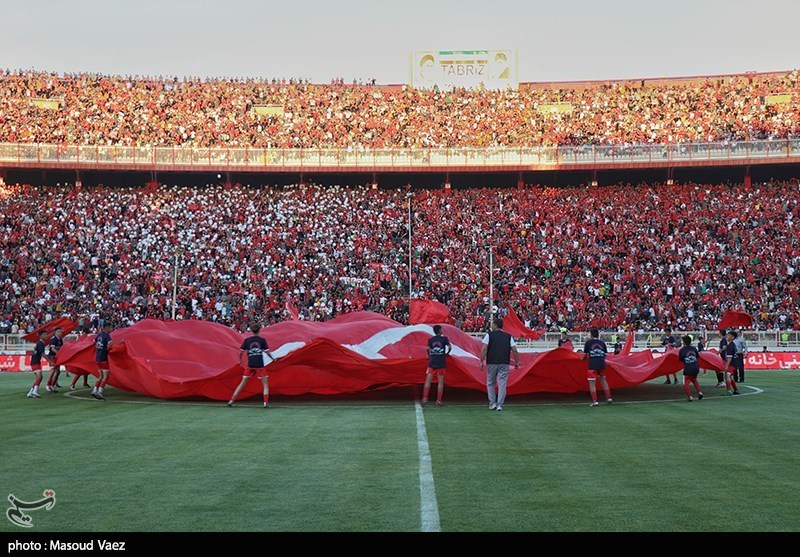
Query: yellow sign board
[268,110]
[47,104]
[785,98]
[555,108]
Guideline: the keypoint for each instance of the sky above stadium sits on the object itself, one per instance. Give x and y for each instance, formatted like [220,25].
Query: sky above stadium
[555,41]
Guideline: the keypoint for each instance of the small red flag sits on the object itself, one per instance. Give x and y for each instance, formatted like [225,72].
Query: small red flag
[66,324]
[735,319]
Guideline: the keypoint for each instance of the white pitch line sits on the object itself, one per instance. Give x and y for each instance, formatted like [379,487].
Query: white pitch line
[428,507]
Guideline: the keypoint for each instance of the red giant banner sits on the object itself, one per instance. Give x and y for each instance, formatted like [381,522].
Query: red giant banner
[357,352]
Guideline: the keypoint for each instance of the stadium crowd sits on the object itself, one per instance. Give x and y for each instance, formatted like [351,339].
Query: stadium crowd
[89,109]
[578,257]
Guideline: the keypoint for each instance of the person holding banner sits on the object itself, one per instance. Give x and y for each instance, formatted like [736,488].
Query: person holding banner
[723,345]
[54,345]
[595,351]
[730,365]
[257,350]
[496,357]
[669,341]
[438,348]
[102,344]
[690,356]
[36,365]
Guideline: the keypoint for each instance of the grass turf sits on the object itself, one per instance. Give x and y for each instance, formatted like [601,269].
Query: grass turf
[548,463]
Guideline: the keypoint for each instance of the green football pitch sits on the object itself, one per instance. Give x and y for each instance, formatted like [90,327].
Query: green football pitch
[378,462]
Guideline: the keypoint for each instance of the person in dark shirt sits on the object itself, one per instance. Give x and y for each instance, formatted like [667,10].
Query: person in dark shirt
[668,341]
[730,365]
[36,366]
[595,351]
[690,357]
[256,348]
[496,352]
[723,344]
[102,344]
[438,348]
[53,346]
[565,341]
[700,347]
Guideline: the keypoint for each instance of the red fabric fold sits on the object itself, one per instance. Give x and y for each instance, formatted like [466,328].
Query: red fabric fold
[357,352]
[628,346]
[429,312]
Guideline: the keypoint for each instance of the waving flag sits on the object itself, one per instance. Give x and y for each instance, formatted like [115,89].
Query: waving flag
[295,315]
[735,319]
[429,312]
[626,349]
[67,325]
[514,327]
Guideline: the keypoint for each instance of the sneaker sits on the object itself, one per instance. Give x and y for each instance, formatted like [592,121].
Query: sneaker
[699,396]
[423,402]
[609,400]
[48,388]
[36,394]
[30,394]
[96,395]
[439,403]
[727,393]
[720,385]
[230,404]
[736,392]
[595,403]
[72,387]
[267,405]
[53,390]
[690,399]
[667,382]
[499,408]
[493,406]
[99,396]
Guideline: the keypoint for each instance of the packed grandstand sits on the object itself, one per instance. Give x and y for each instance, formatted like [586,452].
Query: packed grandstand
[136,111]
[641,253]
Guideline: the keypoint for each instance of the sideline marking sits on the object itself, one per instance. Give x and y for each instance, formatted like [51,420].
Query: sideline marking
[428,507]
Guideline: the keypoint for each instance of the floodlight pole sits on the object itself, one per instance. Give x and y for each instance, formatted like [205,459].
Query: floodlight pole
[175,286]
[491,286]
[409,252]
